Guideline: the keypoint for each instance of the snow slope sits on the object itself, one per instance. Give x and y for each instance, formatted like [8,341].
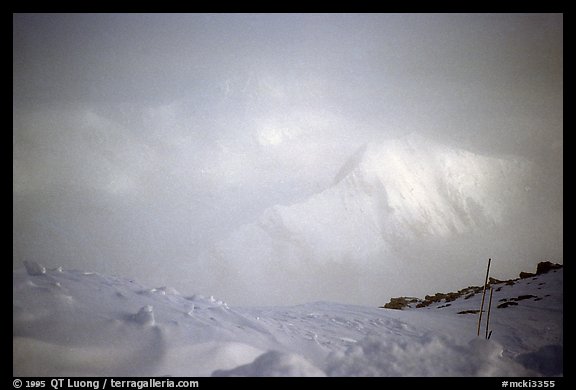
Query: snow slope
[73,323]
[389,204]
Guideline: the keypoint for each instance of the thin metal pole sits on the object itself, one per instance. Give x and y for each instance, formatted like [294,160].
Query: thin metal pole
[488,314]
[483,296]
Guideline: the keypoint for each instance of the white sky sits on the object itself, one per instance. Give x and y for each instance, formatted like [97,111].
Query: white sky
[139,140]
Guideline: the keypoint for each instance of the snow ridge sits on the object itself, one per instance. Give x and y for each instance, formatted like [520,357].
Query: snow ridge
[389,204]
[350,165]
[71,323]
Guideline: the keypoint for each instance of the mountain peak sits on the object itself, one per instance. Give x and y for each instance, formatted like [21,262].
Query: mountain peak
[372,153]
[351,164]
[395,205]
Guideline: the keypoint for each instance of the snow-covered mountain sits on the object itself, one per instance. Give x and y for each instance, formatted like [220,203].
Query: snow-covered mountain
[393,207]
[74,323]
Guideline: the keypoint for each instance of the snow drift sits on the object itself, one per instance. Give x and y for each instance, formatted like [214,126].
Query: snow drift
[73,323]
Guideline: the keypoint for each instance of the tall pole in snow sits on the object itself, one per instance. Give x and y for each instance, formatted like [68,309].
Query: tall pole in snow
[483,296]
[488,314]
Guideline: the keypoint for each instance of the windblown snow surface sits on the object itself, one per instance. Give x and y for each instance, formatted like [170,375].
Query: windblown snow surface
[74,323]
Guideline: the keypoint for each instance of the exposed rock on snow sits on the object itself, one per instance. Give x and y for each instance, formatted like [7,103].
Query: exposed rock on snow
[71,324]
[400,303]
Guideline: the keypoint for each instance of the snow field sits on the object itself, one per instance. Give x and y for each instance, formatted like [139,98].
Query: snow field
[71,323]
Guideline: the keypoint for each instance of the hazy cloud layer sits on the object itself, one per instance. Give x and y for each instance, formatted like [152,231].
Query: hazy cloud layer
[139,140]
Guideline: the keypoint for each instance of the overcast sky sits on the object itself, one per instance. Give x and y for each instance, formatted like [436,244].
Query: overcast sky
[139,139]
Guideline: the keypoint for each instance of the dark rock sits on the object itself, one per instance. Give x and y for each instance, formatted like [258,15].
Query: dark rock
[396,304]
[402,302]
[546,266]
[522,297]
[452,297]
[469,312]
[506,304]
[399,303]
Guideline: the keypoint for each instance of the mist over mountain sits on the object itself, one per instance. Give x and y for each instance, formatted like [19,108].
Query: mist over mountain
[273,158]
[394,210]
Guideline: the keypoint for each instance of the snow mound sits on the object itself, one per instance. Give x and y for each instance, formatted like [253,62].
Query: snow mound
[274,364]
[549,360]
[204,358]
[34,269]
[145,316]
[74,323]
[124,353]
[423,356]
